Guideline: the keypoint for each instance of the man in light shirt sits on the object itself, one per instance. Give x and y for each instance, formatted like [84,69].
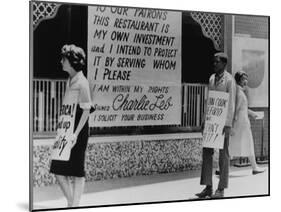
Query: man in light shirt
[221,80]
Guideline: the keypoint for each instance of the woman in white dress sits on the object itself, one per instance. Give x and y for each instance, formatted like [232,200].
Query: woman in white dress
[241,141]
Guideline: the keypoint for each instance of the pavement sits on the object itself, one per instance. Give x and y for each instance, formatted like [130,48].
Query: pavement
[154,188]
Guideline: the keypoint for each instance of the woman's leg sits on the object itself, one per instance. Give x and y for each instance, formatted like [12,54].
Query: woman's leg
[255,167]
[253,163]
[252,158]
[65,185]
[78,189]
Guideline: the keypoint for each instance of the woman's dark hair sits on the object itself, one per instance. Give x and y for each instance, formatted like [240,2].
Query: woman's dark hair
[239,75]
[75,55]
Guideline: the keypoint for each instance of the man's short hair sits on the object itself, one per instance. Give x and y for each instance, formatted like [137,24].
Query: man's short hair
[223,56]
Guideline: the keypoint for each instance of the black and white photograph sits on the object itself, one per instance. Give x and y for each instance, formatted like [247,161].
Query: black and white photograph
[146,105]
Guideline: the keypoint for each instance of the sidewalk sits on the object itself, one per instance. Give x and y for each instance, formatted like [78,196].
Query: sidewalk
[155,188]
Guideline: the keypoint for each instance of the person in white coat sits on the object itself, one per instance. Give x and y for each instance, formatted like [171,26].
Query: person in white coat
[241,140]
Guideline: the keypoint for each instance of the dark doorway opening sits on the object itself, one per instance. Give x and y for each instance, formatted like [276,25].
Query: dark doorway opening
[69,26]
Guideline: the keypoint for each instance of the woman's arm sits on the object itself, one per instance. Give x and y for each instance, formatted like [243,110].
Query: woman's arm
[252,113]
[82,121]
[238,104]
[85,103]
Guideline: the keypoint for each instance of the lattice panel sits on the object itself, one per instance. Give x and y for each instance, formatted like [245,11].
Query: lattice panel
[43,11]
[212,27]
[256,27]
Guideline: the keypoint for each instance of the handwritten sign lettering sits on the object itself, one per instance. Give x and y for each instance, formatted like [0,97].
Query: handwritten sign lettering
[217,105]
[62,146]
[134,66]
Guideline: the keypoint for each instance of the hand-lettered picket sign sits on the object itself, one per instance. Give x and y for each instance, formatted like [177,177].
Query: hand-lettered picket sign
[63,143]
[216,113]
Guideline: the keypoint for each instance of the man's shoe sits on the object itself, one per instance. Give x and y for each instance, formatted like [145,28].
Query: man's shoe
[254,172]
[218,194]
[207,192]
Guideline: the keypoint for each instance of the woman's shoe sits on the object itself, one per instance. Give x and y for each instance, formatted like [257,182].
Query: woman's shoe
[258,171]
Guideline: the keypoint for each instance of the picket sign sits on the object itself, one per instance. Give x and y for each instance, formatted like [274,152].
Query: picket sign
[217,106]
[62,145]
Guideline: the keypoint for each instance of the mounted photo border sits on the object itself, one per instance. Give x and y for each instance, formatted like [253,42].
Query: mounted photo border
[187,116]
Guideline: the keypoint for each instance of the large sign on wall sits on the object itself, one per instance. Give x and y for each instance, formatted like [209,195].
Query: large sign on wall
[134,66]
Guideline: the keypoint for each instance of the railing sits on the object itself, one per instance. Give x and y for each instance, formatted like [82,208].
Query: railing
[47,99]
[194,97]
[48,95]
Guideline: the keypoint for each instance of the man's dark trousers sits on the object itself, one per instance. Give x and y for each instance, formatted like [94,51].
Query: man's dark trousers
[207,165]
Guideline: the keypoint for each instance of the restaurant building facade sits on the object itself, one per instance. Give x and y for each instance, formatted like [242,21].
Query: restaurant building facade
[123,144]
